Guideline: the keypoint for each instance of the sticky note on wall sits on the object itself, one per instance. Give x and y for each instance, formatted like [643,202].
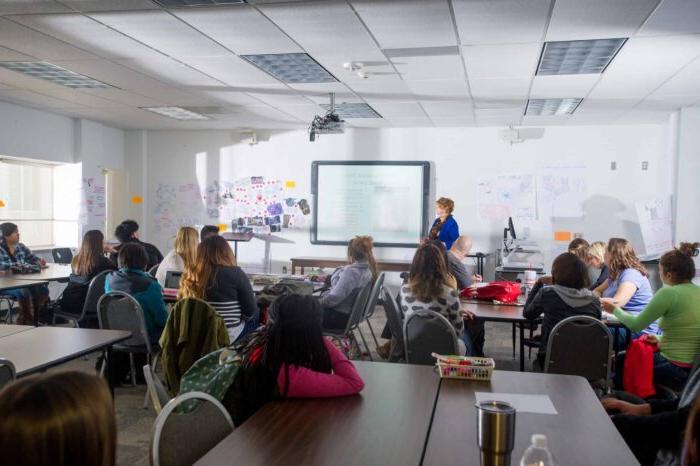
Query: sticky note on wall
[137,200]
[289,184]
[562,236]
[2,204]
[222,227]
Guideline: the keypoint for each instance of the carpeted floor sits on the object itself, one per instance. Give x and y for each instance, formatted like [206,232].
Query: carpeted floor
[134,422]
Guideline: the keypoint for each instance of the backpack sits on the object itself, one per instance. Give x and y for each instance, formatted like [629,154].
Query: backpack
[212,374]
[638,372]
[505,292]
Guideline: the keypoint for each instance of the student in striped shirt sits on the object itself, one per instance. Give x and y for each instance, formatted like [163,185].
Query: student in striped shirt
[217,279]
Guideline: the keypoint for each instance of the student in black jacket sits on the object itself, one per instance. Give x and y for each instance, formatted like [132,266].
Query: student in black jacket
[89,262]
[128,232]
[567,296]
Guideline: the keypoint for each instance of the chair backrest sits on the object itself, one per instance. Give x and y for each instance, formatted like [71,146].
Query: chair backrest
[394,318]
[426,332]
[580,345]
[152,271]
[7,372]
[374,295]
[180,439]
[62,255]
[156,388]
[95,291]
[357,312]
[120,311]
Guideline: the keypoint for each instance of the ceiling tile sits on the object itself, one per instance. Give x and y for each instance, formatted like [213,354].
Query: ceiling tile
[113,5]
[305,112]
[597,19]
[673,17]
[367,123]
[169,71]
[640,116]
[453,122]
[686,81]
[280,95]
[11,55]
[163,32]
[500,22]
[575,85]
[19,7]
[500,88]
[384,90]
[411,122]
[501,61]
[408,23]
[35,44]
[498,121]
[545,120]
[433,67]
[439,89]
[240,28]
[231,70]
[398,110]
[461,109]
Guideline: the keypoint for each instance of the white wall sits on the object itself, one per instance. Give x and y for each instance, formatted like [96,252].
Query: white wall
[688,189]
[460,156]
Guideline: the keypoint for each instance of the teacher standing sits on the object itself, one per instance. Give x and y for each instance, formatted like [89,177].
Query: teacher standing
[444,227]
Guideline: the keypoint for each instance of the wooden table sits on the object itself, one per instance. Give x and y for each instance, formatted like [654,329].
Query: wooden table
[386,424]
[386,265]
[9,329]
[580,434]
[40,348]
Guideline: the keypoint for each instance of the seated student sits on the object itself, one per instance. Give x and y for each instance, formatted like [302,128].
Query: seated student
[207,231]
[15,254]
[290,358]
[430,288]
[88,263]
[59,419]
[653,429]
[132,278]
[460,250]
[628,286]
[182,256]
[347,281]
[568,296]
[593,256]
[217,279]
[677,308]
[128,232]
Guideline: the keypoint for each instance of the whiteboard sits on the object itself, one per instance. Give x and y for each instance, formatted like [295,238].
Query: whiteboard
[386,200]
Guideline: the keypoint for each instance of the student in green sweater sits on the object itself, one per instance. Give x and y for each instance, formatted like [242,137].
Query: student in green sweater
[677,306]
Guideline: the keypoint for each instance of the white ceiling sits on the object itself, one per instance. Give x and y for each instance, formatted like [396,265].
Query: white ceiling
[430,62]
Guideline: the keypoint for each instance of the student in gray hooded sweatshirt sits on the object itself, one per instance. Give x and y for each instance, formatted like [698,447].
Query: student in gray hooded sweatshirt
[347,281]
[568,296]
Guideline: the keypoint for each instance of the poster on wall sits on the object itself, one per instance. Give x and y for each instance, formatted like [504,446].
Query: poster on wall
[656,223]
[92,201]
[503,196]
[561,192]
[175,206]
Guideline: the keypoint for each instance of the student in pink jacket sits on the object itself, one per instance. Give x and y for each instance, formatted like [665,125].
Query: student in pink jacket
[290,358]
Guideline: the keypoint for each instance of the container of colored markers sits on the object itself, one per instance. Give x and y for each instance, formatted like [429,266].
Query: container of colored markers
[464,367]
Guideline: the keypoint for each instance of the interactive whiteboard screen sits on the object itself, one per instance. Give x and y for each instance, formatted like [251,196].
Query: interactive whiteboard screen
[386,200]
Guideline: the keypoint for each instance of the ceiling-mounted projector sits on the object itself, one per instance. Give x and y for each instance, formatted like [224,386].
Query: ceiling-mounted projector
[330,123]
[513,135]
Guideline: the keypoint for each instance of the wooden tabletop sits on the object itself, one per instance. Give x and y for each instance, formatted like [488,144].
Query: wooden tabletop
[386,424]
[54,272]
[9,282]
[231,236]
[495,312]
[8,329]
[580,434]
[42,347]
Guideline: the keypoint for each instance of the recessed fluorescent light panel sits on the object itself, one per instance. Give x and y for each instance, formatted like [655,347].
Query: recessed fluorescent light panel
[177,3]
[548,107]
[354,110]
[291,67]
[578,56]
[177,113]
[55,74]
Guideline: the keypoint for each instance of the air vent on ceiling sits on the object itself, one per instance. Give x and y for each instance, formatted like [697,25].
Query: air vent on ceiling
[549,107]
[578,56]
[354,110]
[291,67]
[177,113]
[55,74]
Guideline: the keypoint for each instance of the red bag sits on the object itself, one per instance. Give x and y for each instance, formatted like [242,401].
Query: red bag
[638,374]
[506,292]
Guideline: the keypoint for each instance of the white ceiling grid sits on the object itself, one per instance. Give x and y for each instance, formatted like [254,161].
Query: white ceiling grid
[428,62]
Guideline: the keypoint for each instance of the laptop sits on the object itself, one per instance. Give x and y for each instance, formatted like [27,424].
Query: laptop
[172,283]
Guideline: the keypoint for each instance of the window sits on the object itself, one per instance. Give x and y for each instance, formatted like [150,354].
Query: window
[41,200]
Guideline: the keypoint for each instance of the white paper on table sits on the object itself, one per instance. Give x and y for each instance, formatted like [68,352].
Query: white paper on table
[538,404]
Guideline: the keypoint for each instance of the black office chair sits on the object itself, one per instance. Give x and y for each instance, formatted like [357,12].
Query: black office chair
[62,255]
[7,372]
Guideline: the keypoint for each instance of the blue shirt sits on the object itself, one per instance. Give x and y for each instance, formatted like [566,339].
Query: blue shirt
[449,231]
[639,299]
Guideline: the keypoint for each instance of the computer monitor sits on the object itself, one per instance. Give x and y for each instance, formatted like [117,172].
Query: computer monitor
[172,280]
[509,231]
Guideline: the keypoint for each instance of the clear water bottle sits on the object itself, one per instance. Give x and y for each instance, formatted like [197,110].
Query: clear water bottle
[537,454]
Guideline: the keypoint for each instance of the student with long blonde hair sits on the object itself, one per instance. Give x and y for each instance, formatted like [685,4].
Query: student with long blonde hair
[347,281]
[217,279]
[182,256]
[628,285]
[58,419]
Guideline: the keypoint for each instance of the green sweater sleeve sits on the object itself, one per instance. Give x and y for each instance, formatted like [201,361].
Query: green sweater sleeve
[659,305]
